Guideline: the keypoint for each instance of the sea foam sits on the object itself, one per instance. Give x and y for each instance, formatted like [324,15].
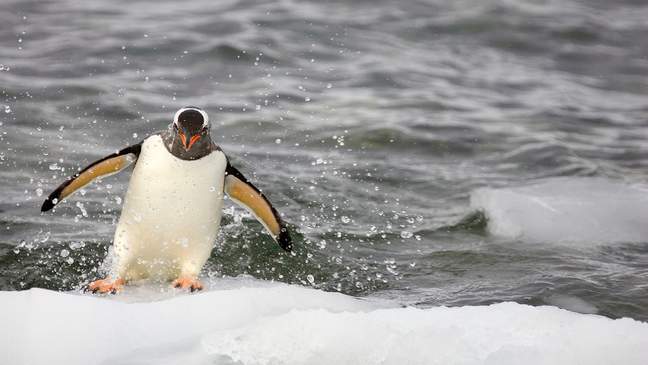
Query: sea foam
[570,210]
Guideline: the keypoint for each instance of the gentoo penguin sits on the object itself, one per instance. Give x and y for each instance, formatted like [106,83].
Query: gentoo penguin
[172,209]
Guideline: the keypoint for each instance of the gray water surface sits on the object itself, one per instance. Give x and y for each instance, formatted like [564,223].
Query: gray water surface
[367,123]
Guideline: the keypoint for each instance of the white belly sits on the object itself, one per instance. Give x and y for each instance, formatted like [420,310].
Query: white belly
[171,214]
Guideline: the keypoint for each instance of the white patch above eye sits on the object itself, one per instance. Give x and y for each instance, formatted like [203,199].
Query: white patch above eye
[202,112]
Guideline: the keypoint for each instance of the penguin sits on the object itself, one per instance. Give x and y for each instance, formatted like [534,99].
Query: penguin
[172,209]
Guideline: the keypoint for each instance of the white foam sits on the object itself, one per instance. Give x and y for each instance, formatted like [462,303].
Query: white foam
[249,322]
[584,210]
[572,303]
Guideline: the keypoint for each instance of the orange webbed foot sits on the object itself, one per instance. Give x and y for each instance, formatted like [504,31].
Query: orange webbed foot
[186,282]
[104,286]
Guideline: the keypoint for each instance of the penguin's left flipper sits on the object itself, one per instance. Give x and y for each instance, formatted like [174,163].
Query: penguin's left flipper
[243,193]
[106,166]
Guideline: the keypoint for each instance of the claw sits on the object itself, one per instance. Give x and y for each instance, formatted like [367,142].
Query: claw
[105,286]
[185,282]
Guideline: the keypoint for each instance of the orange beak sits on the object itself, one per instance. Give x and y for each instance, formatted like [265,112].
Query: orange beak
[193,140]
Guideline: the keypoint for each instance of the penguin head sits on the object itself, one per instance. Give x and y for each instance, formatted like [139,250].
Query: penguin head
[190,124]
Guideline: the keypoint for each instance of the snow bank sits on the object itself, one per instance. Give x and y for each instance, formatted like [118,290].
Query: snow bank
[251,322]
[586,210]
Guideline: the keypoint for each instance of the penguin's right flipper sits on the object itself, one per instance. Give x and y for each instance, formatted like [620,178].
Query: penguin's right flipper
[106,166]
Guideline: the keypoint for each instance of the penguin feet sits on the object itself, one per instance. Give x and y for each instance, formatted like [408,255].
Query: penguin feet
[104,286]
[187,282]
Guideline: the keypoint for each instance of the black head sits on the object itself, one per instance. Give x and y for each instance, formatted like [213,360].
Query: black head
[190,124]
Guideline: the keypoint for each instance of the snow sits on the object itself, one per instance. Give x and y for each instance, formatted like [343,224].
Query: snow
[569,210]
[246,321]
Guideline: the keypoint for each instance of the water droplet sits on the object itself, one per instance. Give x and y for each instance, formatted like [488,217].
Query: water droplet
[75,245]
[311,279]
[54,166]
[39,192]
[184,242]
[278,141]
[70,261]
[329,85]
[134,135]
[345,219]
[81,207]
[307,99]
[7,109]
[64,253]
[406,234]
